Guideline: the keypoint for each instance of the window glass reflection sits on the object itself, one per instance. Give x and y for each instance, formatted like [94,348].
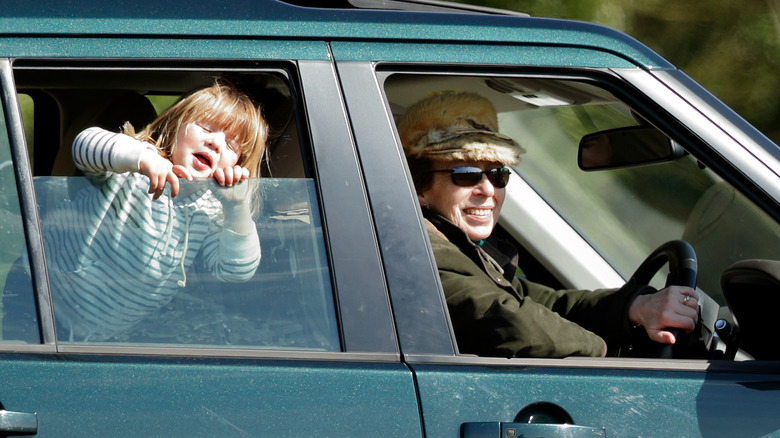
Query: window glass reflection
[286,302]
[18,316]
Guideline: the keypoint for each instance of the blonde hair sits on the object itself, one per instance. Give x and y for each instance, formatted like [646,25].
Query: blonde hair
[223,105]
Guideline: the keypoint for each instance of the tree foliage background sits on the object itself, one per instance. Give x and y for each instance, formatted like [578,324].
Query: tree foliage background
[732,48]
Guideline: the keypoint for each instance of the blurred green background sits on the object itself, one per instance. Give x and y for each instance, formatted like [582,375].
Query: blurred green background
[732,48]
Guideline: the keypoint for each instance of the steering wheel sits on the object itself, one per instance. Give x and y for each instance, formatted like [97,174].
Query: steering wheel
[682,272]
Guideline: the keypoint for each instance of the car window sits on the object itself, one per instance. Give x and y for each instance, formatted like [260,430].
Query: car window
[285,301]
[624,213]
[18,304]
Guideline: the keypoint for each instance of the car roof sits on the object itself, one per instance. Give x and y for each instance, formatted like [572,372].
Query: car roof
[339,20]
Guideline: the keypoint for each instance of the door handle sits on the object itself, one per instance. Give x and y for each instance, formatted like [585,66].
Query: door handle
[535,430]
[18,423]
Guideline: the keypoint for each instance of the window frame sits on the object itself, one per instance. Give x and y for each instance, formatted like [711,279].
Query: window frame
[627,91]
[364,335]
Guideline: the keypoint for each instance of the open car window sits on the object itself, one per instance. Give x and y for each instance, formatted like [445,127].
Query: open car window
[284,302]
[623,212]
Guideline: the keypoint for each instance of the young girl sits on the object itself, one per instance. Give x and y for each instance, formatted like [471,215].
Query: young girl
[123,248]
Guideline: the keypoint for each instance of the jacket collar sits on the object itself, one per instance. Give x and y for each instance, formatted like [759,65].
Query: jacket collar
[497,252]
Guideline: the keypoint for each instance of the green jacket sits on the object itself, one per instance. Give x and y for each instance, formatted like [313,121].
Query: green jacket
[497,314]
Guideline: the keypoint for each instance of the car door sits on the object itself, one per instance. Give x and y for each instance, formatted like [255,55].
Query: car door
[476,396]
[307,346]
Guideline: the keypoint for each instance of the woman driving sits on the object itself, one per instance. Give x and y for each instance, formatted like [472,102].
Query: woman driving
[458,163]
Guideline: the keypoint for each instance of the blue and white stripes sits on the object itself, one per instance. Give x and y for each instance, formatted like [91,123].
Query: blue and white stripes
[115,255]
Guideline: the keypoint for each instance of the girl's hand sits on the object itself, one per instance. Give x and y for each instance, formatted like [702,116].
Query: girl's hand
[234,194]
[228,176]
[160,172]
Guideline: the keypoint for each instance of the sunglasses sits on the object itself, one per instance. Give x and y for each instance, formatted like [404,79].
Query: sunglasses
[469,176]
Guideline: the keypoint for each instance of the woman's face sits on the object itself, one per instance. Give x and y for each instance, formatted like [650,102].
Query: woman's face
[203,148]
[473,209]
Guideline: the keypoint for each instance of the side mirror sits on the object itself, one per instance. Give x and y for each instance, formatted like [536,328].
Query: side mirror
[625,147]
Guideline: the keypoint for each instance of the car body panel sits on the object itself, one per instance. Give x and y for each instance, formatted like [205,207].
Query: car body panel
[623,402]
[129,396]
[526,54]
[280,20]
[173,48]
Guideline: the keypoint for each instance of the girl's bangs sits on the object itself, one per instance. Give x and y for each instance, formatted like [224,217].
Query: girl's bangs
[235,121]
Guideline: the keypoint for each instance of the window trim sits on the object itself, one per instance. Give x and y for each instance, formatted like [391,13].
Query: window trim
[29,210]
[313,75]
[629,93]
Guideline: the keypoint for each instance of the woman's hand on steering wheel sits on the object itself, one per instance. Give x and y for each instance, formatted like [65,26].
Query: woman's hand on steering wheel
[664,313]
[674,306]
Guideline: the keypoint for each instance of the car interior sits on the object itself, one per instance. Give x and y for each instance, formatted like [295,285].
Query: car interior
[652,192]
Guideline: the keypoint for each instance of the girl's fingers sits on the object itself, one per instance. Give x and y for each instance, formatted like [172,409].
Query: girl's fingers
[229,176]
[182,172]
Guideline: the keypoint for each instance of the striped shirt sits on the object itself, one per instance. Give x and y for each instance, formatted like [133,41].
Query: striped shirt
[116,255]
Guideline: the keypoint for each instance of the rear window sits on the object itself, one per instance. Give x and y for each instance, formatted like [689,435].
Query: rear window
[103,290]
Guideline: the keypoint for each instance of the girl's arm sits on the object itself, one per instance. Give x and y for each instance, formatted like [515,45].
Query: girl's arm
[97,151]
[230,255]
[237,205]
[236,255]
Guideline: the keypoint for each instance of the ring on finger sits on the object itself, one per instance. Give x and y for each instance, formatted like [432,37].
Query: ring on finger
[686,299]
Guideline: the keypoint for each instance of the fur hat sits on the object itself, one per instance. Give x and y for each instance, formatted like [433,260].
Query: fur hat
[455,126]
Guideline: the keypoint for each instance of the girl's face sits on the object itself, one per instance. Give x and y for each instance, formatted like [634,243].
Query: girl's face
[473,209]
[203,148]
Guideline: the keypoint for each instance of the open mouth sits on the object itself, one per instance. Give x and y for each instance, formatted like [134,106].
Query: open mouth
[201,161]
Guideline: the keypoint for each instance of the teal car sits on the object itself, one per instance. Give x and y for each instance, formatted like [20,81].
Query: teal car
[343,330]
